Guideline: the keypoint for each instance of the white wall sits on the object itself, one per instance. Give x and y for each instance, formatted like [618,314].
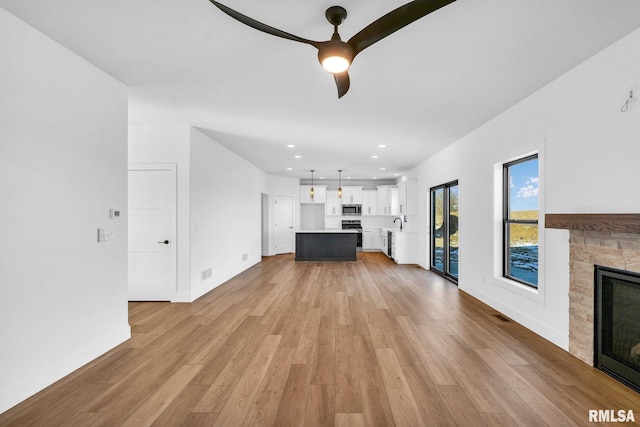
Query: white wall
[589,153]
[225,213]
[63,139]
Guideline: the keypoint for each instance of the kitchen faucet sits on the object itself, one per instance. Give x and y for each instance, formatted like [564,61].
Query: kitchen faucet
[394,221]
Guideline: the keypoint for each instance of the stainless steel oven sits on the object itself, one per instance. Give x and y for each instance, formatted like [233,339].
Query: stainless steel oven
[354,224]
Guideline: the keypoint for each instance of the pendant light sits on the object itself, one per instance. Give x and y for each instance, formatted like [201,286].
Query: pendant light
[311,192]
[339,183]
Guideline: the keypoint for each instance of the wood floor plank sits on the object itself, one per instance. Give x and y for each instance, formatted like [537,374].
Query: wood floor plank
[347,390]
[398,339]
[306,349]
[430,404]
[265,406]
[151,409]
[66,405]
[547,410]
[357,343]
[216,396]
[321,406]
[403,405]
[324,363]
[375,403]
[221,333]
[235,410]
[349,420]
[215,361]
[498,420]
[293,405]
[461,409]
[181,407]
[342,308]
[431,360]
[463,374]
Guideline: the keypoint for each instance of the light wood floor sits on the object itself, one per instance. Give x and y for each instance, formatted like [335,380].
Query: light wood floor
[327,343]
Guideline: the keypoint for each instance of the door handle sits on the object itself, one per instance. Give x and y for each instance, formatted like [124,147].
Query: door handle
[166,242]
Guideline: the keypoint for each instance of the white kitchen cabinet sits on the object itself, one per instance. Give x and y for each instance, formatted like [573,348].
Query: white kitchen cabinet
[333,205]
[367,239]
[351,195]
[369,202]
[388,200]
[376,239]
[319,194]
[404,247]
[408,198]
[383,240]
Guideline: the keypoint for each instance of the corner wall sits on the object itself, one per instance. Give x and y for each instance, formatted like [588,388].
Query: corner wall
[588,156]
[225,213]
[219,203]
[63,142]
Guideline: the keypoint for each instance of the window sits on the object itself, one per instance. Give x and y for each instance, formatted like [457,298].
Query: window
[520,220]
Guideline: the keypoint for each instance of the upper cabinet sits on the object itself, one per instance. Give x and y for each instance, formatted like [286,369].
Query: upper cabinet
[351,195]
[333,205]
[319,194]
[388,203]
[369,202]
[408,198]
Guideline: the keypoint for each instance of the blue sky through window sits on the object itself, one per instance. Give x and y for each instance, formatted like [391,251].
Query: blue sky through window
[523,183]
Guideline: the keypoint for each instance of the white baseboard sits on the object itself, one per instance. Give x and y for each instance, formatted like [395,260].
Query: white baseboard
[16,393]
[534,325]
[219,280]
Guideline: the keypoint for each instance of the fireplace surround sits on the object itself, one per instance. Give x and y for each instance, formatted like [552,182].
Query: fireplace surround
[608,240]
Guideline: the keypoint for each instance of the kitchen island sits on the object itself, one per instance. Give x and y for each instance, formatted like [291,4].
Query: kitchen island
[326,245]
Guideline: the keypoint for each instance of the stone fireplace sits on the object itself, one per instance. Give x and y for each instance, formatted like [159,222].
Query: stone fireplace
[610,240]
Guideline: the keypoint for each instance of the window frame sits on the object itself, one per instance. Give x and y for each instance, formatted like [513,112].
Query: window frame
[507,221]
[445,272]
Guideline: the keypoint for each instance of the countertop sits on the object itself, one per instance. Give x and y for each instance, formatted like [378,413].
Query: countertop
[328,231]
[397,230]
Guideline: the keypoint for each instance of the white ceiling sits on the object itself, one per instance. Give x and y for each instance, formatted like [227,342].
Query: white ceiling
[416,91]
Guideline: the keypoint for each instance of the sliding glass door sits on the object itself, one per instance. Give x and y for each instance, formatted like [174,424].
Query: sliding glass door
[444,230]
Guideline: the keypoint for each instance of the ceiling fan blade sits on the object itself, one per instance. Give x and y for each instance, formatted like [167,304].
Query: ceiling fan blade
[393,21]
[260,26]
[343,82]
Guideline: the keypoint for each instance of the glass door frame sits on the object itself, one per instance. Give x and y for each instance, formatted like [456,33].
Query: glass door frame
[446,271]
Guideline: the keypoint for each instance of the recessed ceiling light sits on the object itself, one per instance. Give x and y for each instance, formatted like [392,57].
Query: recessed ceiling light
[396,174]
[298,157]
[375,156]
[322,177]
[291,146]
[374,177]
[348,177]
[382,146]
[383,169]
[289,169]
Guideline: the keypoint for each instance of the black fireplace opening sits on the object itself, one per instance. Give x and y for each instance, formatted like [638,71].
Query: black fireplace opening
[617,324]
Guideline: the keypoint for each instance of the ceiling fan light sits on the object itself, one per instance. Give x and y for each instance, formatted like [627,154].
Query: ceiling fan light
[336,56]
[335,64]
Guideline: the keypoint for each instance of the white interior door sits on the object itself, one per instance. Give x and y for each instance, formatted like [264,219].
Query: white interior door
[152,234]
[283,224]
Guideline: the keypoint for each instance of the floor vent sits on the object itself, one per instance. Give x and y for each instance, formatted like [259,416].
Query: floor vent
[501,317]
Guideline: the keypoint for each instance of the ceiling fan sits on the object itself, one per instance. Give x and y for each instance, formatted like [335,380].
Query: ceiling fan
[335,55]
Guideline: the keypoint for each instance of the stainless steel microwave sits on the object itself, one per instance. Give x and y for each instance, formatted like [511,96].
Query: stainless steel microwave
[351,209]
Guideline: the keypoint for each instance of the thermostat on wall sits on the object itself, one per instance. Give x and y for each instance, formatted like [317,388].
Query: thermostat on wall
[114,213]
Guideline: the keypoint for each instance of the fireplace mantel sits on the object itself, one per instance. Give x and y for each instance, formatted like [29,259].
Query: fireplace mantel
[614,223]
